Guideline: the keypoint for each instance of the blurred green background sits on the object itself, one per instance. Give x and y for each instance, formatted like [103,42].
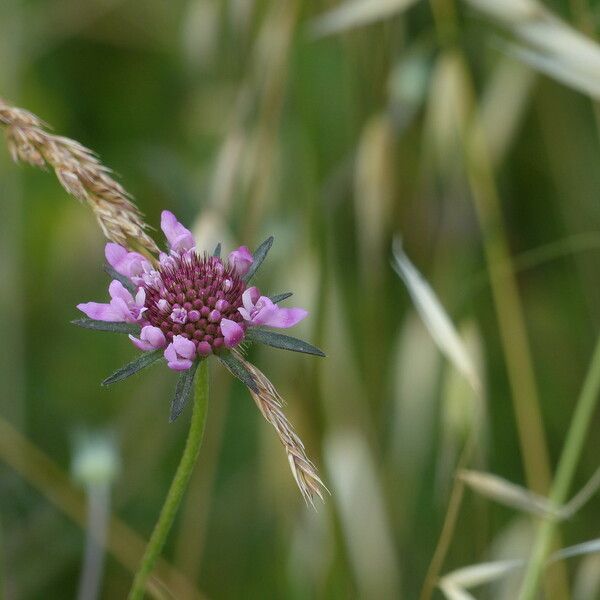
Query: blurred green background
[244,121]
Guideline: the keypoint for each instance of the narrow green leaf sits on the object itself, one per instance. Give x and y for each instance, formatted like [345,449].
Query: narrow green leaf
[183,391]
[217,251]
[281,297]
[114,327]
[238,369]
[259,255]
[284,342]
[141,362]
[127,283]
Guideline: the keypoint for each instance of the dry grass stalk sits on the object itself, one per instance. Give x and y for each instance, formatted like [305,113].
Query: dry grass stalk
[80,172]
[270,404]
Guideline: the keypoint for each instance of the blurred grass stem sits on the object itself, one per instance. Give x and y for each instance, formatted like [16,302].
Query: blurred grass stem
[2,564]
[35,467]
[98,496]
[509,311]
[511,320]
[565,472]
[178,486]
[513,334]
[450,520]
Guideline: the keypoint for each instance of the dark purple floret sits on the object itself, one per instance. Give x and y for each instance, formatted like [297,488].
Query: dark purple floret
[190,295]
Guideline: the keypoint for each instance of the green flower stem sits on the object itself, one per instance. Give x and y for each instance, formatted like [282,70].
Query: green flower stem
[565,471]
[178,486]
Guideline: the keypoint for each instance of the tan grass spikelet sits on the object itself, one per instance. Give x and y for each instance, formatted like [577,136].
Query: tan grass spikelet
[80,173]
[270,404]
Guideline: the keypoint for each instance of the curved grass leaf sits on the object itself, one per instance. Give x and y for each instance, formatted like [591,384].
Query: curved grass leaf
[217,251]
[114,327]
[236,368]
[183,391]
[141,362]
[481,573]
[127,283]
[510,494]
[281,297]
[356,13]
[435,318]
[259,255]
[284,342]
[590,547]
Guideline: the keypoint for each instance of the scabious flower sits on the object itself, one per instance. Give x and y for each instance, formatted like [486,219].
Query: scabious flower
[190,305]
[186,306]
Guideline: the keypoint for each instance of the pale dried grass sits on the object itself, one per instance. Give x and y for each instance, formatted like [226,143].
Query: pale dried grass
[270,405]
[81,174]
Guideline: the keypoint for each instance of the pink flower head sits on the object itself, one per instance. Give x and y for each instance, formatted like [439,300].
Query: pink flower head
[240,259]
[123,307]
[180,239]
[260,310]
[151,338]
[184,307]
[180,353]
[188,304]
[130,264]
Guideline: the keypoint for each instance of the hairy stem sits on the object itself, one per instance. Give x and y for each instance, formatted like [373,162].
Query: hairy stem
[565,472]
[178,486]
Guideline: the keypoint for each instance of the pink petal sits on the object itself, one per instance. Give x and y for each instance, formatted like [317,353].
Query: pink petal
[287,317]
[122,310]
[99,312]
[184,347]
[170,353]
[240,259]
[180,364]
[115,253]
[130,264]
[145,346]
[183,364]
[264,315]
[117,290]
[247,316]
[250,297]
[151,338]
[232,332]
[154,336]
[271,315]
[174,361]
[166,260]
[140,297]
[180,239]
[179,315]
